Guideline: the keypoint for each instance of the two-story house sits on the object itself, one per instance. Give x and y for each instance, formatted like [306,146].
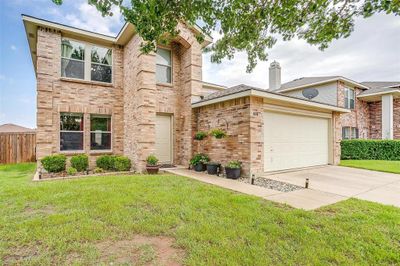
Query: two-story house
[100,94]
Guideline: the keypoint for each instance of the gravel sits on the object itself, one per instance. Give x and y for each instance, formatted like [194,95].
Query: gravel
[272,184]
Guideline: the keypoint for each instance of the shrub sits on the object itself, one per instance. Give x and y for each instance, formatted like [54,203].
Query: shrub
[199,158]
[122,163]
[54,163]
[370,150]
[200,135]
[218,133]
[234,164]
[80,162]
[152,160]
[106,162]
[72,171]
[98,170]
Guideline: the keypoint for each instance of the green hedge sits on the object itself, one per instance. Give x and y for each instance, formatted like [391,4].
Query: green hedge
[80,162]
[370,150]
[54,163]
[113,163]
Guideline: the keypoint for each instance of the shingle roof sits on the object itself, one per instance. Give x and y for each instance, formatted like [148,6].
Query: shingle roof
[379,86]
[304,81]
[11,128]
[242,88]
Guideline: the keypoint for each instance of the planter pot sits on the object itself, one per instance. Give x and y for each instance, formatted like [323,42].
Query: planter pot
[232,173]
[152,169]
[200,167]
[213,169]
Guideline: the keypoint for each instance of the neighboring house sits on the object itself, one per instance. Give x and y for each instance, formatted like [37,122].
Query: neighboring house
[12,128]
[375,106]
[98,94]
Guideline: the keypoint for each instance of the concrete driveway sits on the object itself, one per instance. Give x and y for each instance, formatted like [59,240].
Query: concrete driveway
[331,184]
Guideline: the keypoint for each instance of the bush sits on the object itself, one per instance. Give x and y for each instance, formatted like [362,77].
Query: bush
[106,162]
[234,164]
[199,158]
[122,163]
[218,133]
[72,171]
[370,150]
[98,170]
[200,135]
[152,160]
[80,162]
[54,163]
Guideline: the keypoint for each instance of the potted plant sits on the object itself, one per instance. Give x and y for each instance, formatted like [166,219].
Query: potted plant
[232,169]
[152,167]
[213,168]
[199,162]
[218,133]
[200,135]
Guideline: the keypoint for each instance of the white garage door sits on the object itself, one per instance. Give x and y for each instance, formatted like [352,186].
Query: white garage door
[294,141]
[164,138]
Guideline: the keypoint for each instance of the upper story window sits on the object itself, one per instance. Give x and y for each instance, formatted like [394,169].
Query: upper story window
[75,62]
[349,98]
[71,132]
[164,66]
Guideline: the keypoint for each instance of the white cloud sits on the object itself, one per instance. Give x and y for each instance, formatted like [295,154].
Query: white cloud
[370,53]
[13,47]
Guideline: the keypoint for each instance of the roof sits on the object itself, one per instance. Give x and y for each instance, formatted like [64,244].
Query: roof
[312,81]
[214,86]
[380,87]
[12,128]
[127,31]
[245,90]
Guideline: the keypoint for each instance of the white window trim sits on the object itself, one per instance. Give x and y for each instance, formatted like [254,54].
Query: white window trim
[88,61]
[170,66]
[347,99]
[90,140]
[72,131]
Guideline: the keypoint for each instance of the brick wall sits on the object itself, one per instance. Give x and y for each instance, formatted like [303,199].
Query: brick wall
[233,117]
[375,116]
[55,95]
[396,118]
[358,117]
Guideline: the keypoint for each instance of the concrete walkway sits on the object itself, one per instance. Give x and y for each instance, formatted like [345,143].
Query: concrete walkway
[307,199]
[347,182]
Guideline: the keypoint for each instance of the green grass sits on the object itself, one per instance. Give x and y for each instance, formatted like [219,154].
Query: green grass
[376,165]
[44,223]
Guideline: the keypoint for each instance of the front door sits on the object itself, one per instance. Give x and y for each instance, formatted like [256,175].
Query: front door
[164,138]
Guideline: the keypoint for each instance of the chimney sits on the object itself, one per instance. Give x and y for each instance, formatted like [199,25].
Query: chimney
[274,76]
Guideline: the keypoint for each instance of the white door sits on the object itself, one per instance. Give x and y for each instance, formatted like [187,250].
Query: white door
[294,141]
[164,138]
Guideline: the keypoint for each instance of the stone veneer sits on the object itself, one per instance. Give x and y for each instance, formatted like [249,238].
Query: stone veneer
[358,117]
[133,99]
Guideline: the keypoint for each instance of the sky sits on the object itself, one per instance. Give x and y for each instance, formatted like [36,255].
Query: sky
[371,53]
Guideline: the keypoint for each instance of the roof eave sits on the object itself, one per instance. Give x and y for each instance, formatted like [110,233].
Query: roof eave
[359,85]
[395,91]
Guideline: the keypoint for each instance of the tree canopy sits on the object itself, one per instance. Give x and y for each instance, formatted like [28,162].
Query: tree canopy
[251,26]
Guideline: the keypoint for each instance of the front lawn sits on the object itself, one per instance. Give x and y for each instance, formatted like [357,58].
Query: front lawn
[383,166]
[94,220]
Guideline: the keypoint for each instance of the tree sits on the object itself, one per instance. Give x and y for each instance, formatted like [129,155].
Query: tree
[246,25]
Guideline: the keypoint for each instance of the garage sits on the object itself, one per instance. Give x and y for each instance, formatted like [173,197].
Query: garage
[295,141]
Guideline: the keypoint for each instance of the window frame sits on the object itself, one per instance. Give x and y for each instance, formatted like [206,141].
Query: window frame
[72,131]
[171,66]
[347,100]
[110,132]
[87,74]
[350,133]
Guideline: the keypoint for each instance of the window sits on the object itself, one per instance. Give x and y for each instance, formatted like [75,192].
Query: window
[349,97]
[164,66]
[71,132]
[101,64]
[75,62]
[100,132]
[72,59]
[349,133]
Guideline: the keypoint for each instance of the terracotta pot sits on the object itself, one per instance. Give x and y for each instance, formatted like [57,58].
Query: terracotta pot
[152,169]
[232,173]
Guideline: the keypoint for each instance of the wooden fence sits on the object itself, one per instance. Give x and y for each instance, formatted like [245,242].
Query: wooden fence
[17,147]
